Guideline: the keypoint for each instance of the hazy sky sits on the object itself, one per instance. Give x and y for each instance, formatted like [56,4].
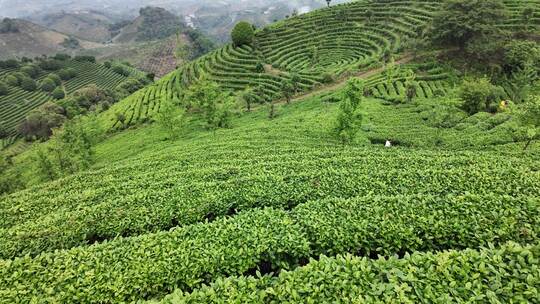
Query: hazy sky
[18,8]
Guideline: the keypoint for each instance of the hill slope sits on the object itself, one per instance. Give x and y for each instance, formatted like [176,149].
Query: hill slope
[249,213]
[88,25]
[18,102]
[33,40]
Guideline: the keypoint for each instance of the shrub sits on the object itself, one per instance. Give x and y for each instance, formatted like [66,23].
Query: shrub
[55,78]
[12,80]
[31,70]
[47,85]
[519,54]
[242,33]
[62,57]
[91,59]
[121,70]
[463,21]
[40,122]
[434,277]
[479,95]
[3,88]
[67,74]
[28,84]
[50,64]
[9,64]
[58,93]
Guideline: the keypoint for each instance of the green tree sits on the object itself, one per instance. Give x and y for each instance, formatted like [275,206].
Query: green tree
[242,33]
[349,119]
[295,81]
[171,119]
[287,89]
[31,70]
[47,85]
[4,90]
[479,95]
[12,80]
[462,21]
[410,90]
[215,104]
[44,166]
[248,97]
[67,74]
[28,84]
[529,117]
[121,118]
[54,77]
[58,93]
[39,123]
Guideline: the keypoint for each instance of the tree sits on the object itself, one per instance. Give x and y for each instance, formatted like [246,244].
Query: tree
[328,2]
[54,77]
[462,21]
[12,80]
[349,119]
[8,26]
[47,85]
[410,90]
[171,119]
[121,118]
[4,90]
[58,93]
[28,84]
[31,70]
[530,119]
[44,166]
[295,81]
[71,43]
[479,95]
[248,96]
[287,89]
[242,33]
[518,54]
[272,110]
[67,74]
[215,105]
[39,123]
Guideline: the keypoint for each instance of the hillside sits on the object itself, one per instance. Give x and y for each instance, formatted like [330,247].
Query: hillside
[19,101]
[87,24]
[355,154]
[153,23]
[33,40]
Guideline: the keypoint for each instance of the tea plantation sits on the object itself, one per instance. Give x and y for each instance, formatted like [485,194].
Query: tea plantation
[274,207]
[19,101]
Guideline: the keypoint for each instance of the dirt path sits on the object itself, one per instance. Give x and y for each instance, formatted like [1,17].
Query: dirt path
[339,83]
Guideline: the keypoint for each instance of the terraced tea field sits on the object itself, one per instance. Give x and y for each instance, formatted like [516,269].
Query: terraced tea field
[276,208]
[17,103]
[337,41]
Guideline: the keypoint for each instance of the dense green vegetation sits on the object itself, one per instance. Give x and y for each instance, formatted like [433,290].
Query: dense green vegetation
[407,176]
[29,85]
[420,277]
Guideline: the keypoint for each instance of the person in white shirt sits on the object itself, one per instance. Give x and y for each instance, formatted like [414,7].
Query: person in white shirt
[388,144]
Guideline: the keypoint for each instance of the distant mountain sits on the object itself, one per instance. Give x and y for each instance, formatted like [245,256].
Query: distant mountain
[86,24]
[153,23]
[23,38]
